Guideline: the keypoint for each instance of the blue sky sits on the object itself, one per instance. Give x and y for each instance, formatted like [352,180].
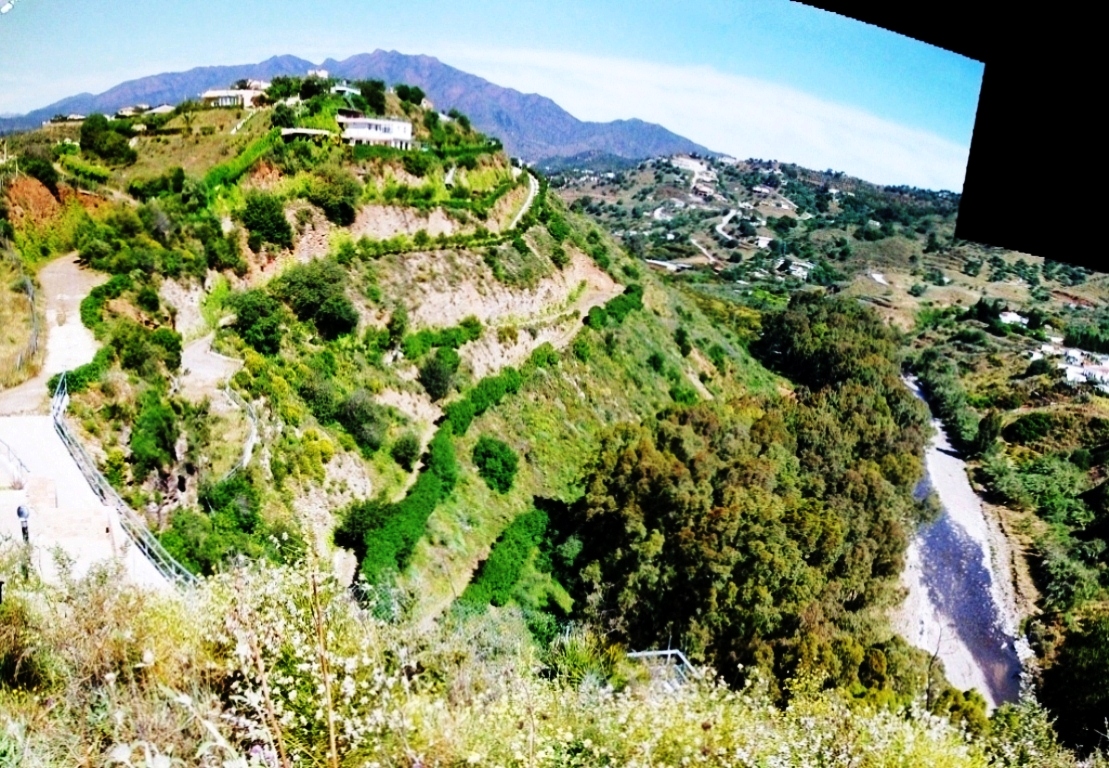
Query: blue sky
[751,78]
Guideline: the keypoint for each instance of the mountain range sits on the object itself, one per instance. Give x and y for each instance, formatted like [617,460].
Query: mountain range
[531,126]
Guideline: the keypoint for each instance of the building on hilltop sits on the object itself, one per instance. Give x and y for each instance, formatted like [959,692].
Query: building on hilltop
[376,130]
[230,97]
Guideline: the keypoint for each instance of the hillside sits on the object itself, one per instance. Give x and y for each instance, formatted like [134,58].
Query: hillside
[531,126]
[432,440]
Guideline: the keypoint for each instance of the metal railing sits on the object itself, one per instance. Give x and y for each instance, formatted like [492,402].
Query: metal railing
[252,438]
[132,524]
[674,659]
[18,469]
[25,356]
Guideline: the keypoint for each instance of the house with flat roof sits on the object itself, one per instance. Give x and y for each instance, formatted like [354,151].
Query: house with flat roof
[376,130]
[230,97]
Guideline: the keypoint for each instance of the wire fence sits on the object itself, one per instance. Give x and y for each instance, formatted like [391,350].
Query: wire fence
[132,523]
[252,438]
[17,363]
[14,466]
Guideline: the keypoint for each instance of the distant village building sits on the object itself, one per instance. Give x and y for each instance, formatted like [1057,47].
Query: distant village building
[345,90]
[320,73]
[1010,318]
[764,242]
[376,130]
[763,190]
[230,97]
[162,109]
[669,266]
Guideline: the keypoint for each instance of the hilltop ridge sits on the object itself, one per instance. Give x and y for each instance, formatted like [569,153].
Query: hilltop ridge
[531,126]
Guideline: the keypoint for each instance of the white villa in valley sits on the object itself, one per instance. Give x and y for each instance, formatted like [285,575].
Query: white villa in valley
[376,130]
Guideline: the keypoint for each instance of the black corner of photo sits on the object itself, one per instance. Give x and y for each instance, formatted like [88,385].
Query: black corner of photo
[1036,152]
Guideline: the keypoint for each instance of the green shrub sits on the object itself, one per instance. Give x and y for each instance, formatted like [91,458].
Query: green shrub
[487,393]
[436,377]
[406,450]
[683,395]
[365,420]
[336,191]
[264,216]
[496,463]
[153,436]
[42,170]
[316,292]
[229,172]
[1030,428]
[582,349]
[258,320]
[498,575]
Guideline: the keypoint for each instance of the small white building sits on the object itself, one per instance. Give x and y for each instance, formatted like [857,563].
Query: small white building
[320,73]
[161,109]
[764,242]
[1050,349]
[345,90]
[376,130]
[1012,317]
[230,97]
[669,266]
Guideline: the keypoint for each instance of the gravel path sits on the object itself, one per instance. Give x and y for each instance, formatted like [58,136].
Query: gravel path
[68,342]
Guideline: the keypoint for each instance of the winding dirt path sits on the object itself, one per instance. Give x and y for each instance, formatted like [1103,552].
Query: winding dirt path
[68,342]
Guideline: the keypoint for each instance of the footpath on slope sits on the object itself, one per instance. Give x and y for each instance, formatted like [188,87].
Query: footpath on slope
[66,514]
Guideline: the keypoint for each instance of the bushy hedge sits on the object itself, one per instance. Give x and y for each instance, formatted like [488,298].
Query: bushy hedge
[316,292]
[79,379]
[229,172]
[92,306]
[264,216]
[496,463]
[616,308]
[384,536]
[84,170]
[153,436]
[229,522]
[1030,428]
[418,344]
[498,575]
[485,394]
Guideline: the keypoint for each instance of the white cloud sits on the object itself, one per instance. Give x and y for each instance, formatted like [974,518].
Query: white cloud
[741,116]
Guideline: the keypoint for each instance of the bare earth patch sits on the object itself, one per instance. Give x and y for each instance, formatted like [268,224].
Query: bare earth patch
[384,221]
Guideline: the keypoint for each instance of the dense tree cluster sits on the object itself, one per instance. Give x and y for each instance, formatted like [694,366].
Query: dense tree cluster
[764,533]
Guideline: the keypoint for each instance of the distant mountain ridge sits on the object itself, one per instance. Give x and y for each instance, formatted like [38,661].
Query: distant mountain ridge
[531,126]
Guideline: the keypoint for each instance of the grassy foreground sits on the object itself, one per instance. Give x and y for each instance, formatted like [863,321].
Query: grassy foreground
[278,666]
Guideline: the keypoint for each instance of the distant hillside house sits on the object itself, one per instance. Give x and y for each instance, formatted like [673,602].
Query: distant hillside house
[163,109]
[230,97]
[320,73]
[345,90]
[376,130]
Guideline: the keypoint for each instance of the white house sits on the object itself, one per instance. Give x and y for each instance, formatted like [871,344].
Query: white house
[162,109]
[764,242]
[320,73]
[669,266]
[1012,317]
[229,97]
[345,90]
[376,130]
